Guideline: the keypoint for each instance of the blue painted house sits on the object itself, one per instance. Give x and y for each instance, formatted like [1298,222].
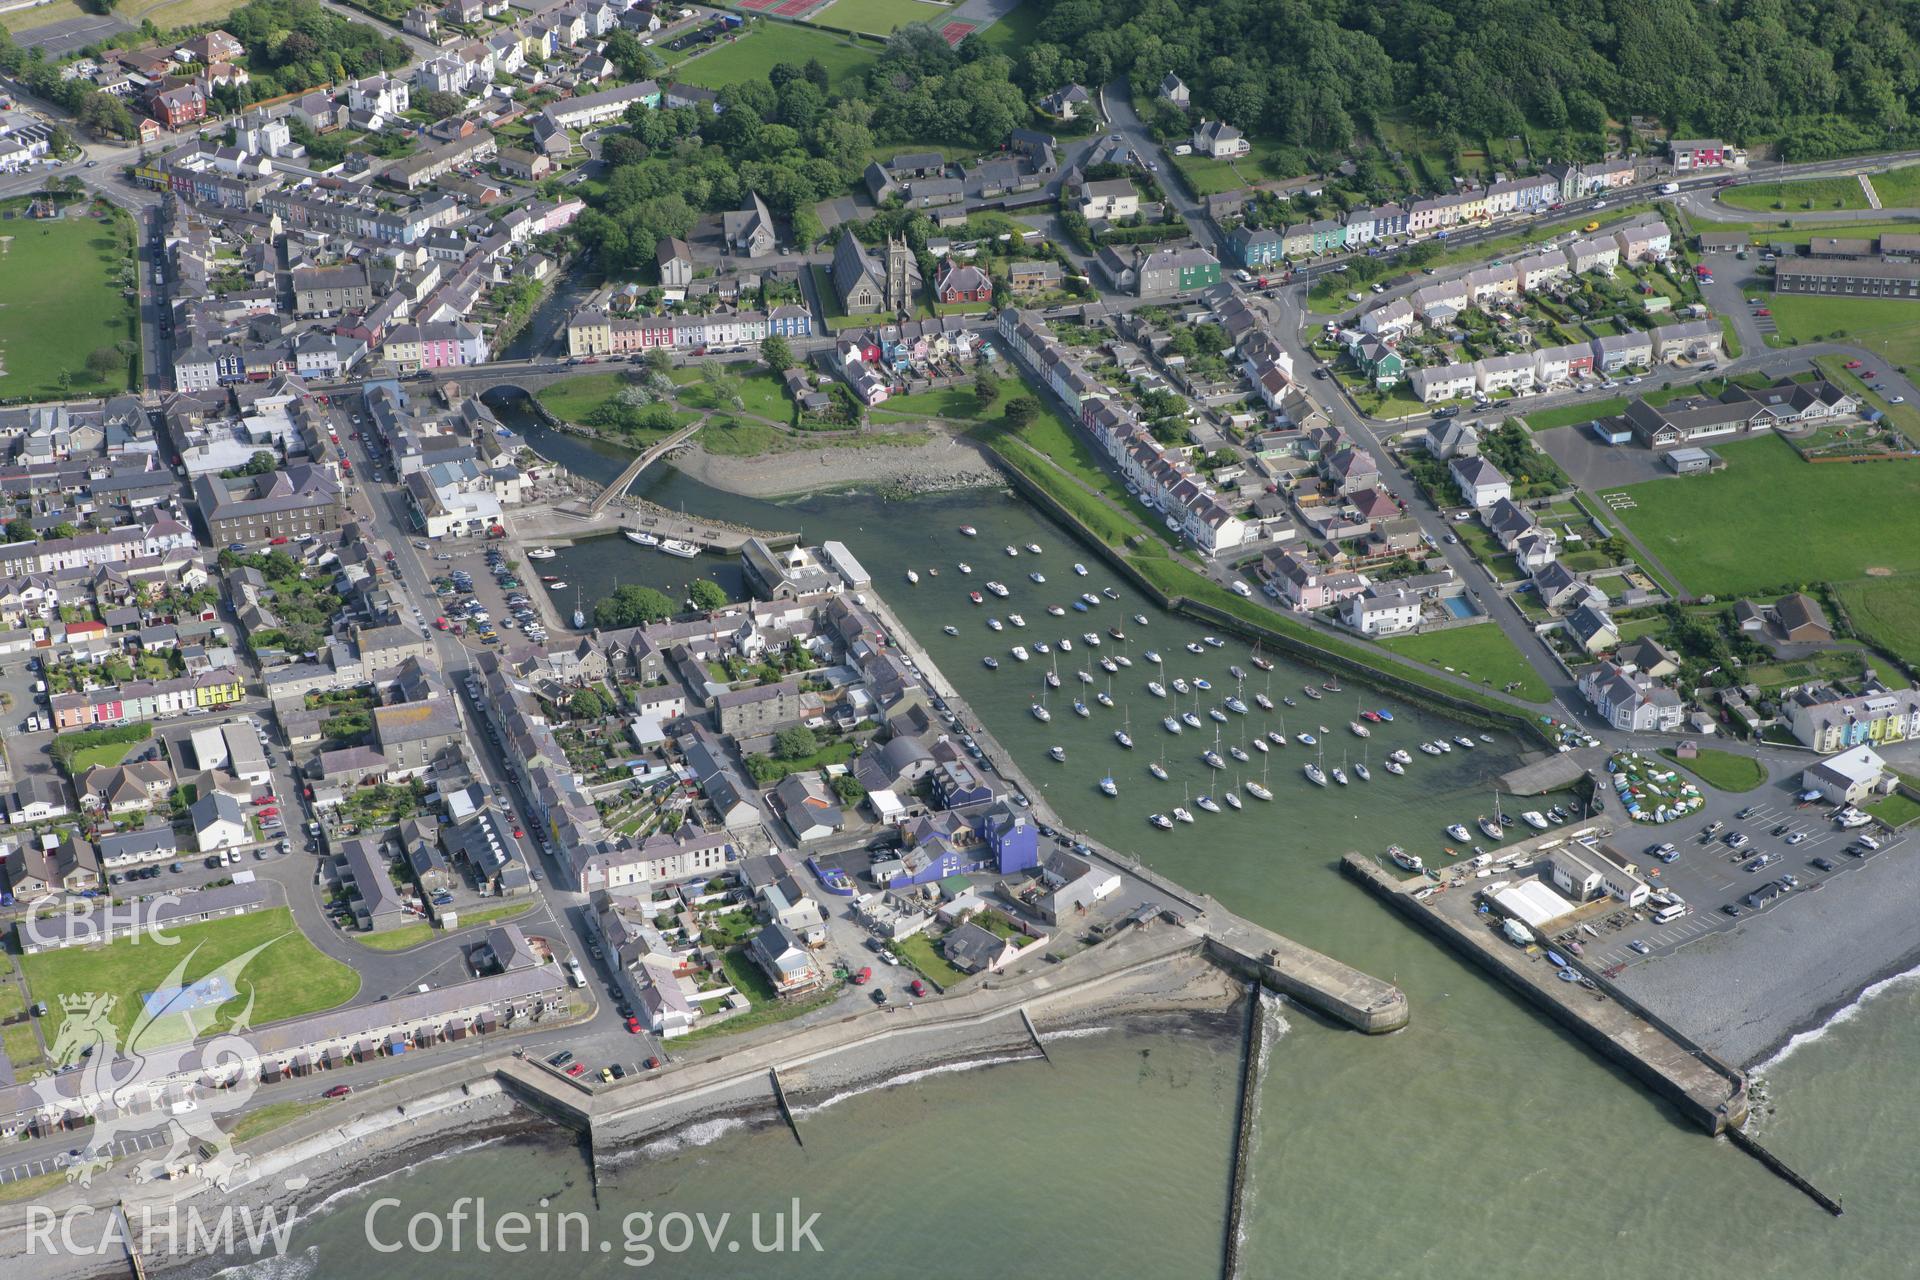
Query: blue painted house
[956,784]
[1013,837]
[790,322]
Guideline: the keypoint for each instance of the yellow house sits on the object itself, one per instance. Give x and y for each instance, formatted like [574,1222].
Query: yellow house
[217,690]
[402,346]
[589,333]
[1474,206]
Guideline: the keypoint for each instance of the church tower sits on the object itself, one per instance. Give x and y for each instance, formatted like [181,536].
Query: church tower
[899,275]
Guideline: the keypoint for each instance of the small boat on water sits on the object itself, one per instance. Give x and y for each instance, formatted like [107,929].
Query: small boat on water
[1316,775]
[1258,792]
[1213,642]
[1037,577]
[1153,656]
[1263,702]
[1535,819]
[1081,709]
[641,537]
[541,553]
[1065,645]
[1236,671]
[1232,799]
[1180,814]
[1289,701]
[990,662]
[1262,663]
[1464,740]
[1363,773]
[1033,548]
[1401,756]
[1180,685]
[951,630]
[1236,706]
[965,567]
[1260,745]
[1109,666]
[1012,550]
[1123,659]
[1019,653]
[1079,568]
[1041,646]
[1110,593]
[1080,606]
[1058,753]
[969,531]
[1208,803]
[1371,717]
[1458,830]
[1104,698]
[1215,713]
[1202,683]
[1487,738]
[1140,619]
[1238,754]
[1088,598]
[994,624]
[1170,724]
[1213,760]
[1161,821]
[1086,677]
[998,588]
[556,585]
[1404,860]
[1053,679]
[1194,646]
[675,547]
[1189,719]
[1276,737]
[1157,689]
[1108,786]
[1430,749]
[976,597]
[1493,830]
[1116,633]
[1386,715]
[1056,611]
[1394,766]
[1359,730]
[1340,775]
[549,578]
[1311,692]
[1040,713]
[1122,737]
[1016,620]
[1446,747]
[1307,738]
[1157,769]
[1090,639]
[913,576]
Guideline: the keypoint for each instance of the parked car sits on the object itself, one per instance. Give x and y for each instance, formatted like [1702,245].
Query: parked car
[338,1091]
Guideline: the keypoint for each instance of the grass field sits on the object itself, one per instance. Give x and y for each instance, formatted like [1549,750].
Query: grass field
[107,753]
[290,977]
[1888,326]
[574,398]
[1898,188]
[1722,769]
[1808,194]
[1013,33]
[412,935]
[1206,176]
[61,299]
[1770,518]
[756,53]
[1483,652]
[272,1116]
[880,17]
[1886,612]
[919,952]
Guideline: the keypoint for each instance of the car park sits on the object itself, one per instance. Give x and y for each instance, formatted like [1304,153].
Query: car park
[1821,864]
[561,1058]
[879,995]
[1797,837]
[577,1070]
[1640,946]
[1733,909]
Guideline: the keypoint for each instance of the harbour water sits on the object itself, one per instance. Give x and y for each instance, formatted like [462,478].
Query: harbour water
[1480,1134]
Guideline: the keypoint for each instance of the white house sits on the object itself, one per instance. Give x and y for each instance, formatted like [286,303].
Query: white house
[1383,610]
[1481,483]
[1443,382]
[218,822]
[1847,778]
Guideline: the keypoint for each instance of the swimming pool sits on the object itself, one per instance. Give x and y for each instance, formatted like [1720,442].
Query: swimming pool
[1460,607]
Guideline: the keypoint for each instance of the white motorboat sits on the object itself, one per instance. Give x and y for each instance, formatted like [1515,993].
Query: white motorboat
[951,630]
[1092,639]
[969,531]
[1040,646]
[913,576]
[1535,819]
[1464,740]
[1157,689]
[1058,753]
[990,662]
[1033,548]
[965,567]
[1016,620]
[1108,786]
[541,553]
[676,547]
[1401,755]
[1037,577]
[1109,666]
[1140,618]
[1012,550]
[1213,642]
[1053,679]
[1194,646]
[1430,749]
[1161,821]
[998,589]
[1066,645]
[994,624]
[1056,611]
[1445,746]
[1394,766]
[1019,653]
[1181,686]
[1404,860]
[1080,568]
[1458,830]
[1153,656]
[1089,599]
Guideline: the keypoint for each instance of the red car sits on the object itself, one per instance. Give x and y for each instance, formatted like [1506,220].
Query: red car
[276,542]
[1868,373]
[1764,311]
[633,1025]
[863,977]
[269,813]
[577,1068]
[918,988]
[1853,364]
[268,800]
[338,1091]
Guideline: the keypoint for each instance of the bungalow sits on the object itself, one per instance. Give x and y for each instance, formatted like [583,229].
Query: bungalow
[972,948]
[218,823]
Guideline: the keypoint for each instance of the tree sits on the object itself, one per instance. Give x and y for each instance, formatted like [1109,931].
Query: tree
[1020,411]
[796,743]
[103,361]
[439,104]
[986,389]
[708,595]
[18,530]
[848,788]
[776,352]
[63,530]
[587,704]
[659,362]
[260,464]
[631,606]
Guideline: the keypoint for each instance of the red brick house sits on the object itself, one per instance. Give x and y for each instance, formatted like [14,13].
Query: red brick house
[179,107]
[963,282]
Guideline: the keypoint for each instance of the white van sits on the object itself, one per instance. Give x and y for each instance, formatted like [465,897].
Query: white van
[1666,915]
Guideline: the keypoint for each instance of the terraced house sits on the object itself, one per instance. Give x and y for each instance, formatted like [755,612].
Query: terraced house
[1826,719]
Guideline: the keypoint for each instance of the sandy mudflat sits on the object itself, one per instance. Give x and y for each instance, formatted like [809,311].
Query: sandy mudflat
[1788,969]
[941,463]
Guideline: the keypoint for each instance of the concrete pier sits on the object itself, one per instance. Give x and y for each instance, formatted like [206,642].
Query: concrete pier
[1705,1090]
[1244,1128]
[780,1098]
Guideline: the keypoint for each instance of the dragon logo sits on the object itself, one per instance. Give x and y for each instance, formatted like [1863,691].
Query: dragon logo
[159,1072]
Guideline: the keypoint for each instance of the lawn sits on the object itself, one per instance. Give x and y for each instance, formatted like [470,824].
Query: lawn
[272,1116]
[754,54]
[412,935]
[767,1008]
[1724,770]
[1898,188]
[60,282]
[1574,415]
[1811,193]
[1736,531]
[1206,176]
[107,753]
[1014,32]
[1482,652]
[958,404]
[879,17]
[1888,326]
[1886,611]
[574,398]
[918,951]
[289,978]
[1895,810]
